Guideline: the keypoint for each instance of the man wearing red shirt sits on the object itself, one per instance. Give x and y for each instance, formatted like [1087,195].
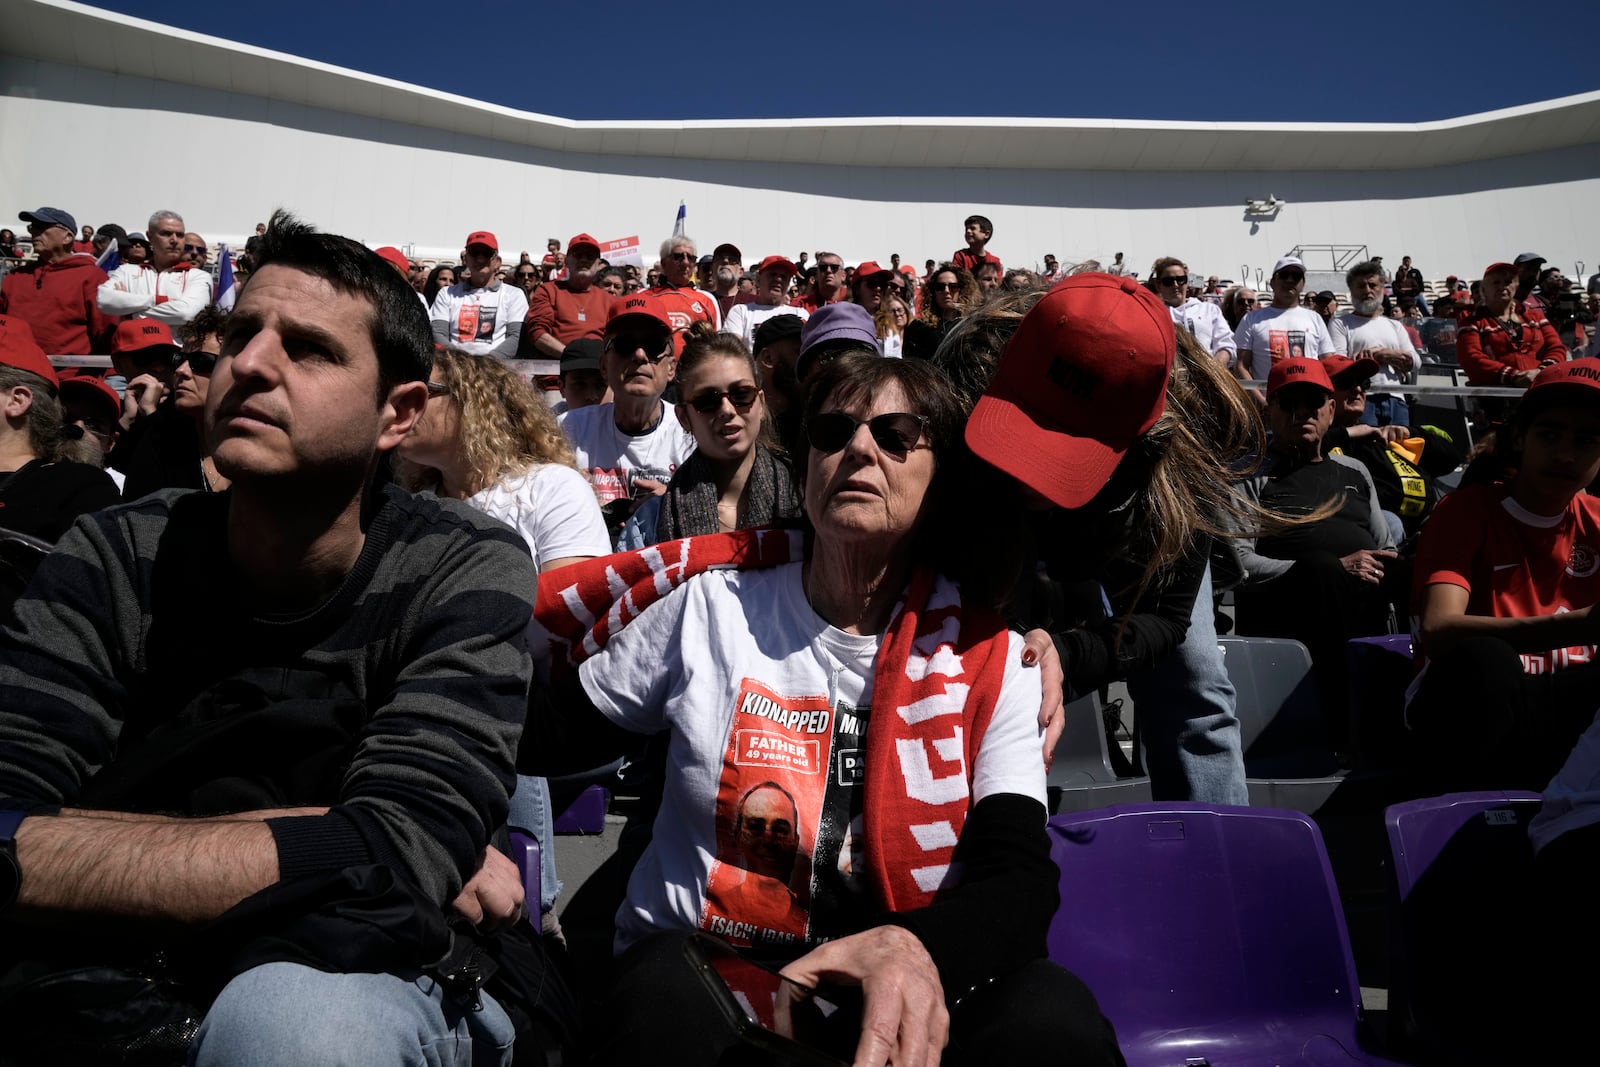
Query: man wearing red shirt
[827,283]
[561,312]
[685,305]
[56,294]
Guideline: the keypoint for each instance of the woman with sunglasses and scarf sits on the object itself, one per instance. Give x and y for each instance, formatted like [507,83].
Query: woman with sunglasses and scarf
[854,790]
[734,480]
[1169,280]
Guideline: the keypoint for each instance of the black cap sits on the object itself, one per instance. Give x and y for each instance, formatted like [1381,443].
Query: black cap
[582,354]
[779,327]
[1324,297]
[111,229]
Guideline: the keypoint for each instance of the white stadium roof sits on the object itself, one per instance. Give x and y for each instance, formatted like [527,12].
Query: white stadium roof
[58,31]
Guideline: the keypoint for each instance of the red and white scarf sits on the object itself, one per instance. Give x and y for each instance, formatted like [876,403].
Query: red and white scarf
[937,680]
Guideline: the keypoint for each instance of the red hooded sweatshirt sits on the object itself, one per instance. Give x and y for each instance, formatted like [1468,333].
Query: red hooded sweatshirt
[58,300]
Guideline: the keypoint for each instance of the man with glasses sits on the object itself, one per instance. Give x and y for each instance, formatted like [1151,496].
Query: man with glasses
[195,250]
[772,287]
[675,291]
[480,314]
[56,294]
[1201,318]
[561,312]
[167,288]
[1283,330]
[826,283]
[1365,330]
[629,448]
[1320,583]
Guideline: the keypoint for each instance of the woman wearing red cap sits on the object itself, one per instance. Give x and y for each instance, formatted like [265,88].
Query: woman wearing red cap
[1507,578]
[1501,342]
[1122,430]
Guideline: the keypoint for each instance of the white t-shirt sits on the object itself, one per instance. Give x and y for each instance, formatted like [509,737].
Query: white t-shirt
[480,320]
[1572,799]
[611,458]
[1279,333]
[759,692]
[554,510]
[744,319]
[1353,334]
[1204,319]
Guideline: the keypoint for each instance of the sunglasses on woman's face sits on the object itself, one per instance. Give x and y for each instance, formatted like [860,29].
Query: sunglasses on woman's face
[896,432]
[201,363]
[709,402]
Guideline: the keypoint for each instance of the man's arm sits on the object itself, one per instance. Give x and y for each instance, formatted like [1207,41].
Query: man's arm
[115,299]
[194,295]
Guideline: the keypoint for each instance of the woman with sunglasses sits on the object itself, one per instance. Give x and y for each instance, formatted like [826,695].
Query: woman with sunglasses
[845,718]
[734,480]
[487,438]
[167,448]
[948,294]
[1169,280]
[891,319]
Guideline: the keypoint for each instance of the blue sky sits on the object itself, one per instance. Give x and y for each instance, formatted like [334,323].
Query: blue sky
[1248,62]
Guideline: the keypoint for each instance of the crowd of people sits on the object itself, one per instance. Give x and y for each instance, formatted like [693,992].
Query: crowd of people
[334,568]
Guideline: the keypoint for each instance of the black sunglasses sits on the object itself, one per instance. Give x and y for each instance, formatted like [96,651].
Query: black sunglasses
[1181,279]
[194,248]
[896,432]
[710,401]
[1291,276]
[627,343]
[201,363]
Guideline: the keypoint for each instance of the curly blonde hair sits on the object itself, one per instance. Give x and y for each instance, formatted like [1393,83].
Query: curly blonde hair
[506,427]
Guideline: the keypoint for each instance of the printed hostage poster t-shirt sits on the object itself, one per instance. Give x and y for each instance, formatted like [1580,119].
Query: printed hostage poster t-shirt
[759,835]
[611,458]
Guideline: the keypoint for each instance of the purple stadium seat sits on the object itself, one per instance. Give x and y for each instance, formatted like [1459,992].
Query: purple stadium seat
[1464,915]
[1379,670]
[587,814]
[525,854]
[1208,934]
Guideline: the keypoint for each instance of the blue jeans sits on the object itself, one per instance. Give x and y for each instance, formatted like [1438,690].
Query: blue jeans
[531,811]
[282,1013]
[1185,708]
[1389,409]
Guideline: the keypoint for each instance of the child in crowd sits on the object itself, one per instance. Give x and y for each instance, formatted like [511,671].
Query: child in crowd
[978,232]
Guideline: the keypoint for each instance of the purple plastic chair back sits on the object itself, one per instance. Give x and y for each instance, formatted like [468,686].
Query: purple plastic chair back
[1465,914]
[1208,934]
[585,815]
[1379,669]
[525,854]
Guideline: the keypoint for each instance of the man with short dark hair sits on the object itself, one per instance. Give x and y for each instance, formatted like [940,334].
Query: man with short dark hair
[168,288]
[317,678]
[825,284]
[57,294]
[1408,283]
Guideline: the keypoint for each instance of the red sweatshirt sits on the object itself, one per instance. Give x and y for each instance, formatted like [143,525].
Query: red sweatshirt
[58,300]
[1488,354]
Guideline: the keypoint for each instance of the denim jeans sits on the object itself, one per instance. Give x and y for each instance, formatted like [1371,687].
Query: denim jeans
[531,811]
[1389,409]
[1185,708]
[282,1013]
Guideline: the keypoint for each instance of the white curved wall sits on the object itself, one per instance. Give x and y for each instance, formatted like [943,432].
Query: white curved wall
[115,147]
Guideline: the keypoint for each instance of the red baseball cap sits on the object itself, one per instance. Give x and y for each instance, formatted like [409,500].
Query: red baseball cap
[1491,268]
[1082,379]
[137,334]
[1578,373]
[871,268]
[1297,370]
[1335,365]
[581,241]
[778,261]
[393,255]
[18,349]
[635,305]
[483,237]
[95,391]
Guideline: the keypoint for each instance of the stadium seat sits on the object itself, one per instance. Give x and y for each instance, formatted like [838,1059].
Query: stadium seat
[1461,911]
[585,815]
[1280,722]
[1081,776]
[1208,934]
[1379,669]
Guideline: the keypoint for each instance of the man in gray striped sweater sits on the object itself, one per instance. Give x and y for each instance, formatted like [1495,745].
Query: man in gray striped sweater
[311,684]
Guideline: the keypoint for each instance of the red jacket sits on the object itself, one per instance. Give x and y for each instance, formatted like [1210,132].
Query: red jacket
[1488,355]
[58,300]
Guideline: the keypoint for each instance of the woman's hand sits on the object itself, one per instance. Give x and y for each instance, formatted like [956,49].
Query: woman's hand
[903,1017]
[1038,650]
[1367,564]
